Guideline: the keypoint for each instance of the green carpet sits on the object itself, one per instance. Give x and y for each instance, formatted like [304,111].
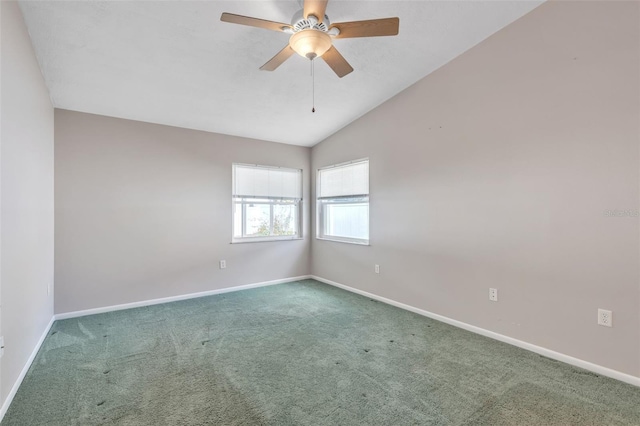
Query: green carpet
[300,354]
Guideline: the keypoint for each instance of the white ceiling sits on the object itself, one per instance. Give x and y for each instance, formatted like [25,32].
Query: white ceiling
[175,63]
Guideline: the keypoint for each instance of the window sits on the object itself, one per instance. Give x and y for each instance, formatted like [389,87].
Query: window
[266,203]
[343,202]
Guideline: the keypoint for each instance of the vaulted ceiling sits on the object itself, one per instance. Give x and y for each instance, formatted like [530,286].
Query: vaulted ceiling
[176,63]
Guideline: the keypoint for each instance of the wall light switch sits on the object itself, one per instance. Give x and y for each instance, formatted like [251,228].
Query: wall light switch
[377,269]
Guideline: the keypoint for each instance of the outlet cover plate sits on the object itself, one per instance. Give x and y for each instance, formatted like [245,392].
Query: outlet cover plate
[493,294]
[605,318]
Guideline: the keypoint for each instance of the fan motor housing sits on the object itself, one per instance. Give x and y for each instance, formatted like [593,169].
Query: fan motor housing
[299,22]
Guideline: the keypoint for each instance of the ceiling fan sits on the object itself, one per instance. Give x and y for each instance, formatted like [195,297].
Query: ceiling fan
[312,34]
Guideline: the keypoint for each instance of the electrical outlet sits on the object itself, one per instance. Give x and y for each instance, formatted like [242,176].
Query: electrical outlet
[377,269]
[605,318]
[493,294]
[223,264]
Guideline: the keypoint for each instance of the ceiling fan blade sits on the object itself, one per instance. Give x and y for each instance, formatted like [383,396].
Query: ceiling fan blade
[372,28]
[336,61]
[277,60]
[253,22]
[316,8]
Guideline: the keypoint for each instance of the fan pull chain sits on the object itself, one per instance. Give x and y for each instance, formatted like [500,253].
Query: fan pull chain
[313,87]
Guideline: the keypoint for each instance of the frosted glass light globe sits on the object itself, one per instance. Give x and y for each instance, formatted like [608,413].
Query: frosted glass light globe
[310,43]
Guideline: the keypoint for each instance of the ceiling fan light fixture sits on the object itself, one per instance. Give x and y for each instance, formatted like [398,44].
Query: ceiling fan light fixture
[310,43]
[312,33]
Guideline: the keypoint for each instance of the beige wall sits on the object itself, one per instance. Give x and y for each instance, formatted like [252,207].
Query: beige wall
[26,175]
[496,170]
[143,211]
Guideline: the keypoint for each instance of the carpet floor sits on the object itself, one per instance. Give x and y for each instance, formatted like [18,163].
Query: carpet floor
[301,353]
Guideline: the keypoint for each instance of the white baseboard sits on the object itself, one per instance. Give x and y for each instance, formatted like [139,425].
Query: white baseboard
[174,298]
[25,369]
[598,369]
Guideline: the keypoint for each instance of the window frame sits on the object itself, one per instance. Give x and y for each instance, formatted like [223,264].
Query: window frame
[243,202]
[322,202]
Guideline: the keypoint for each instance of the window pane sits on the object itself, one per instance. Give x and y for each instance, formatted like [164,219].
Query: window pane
[267,202]
[237,220]
[264,218]
[284,219]
[257,220]
[348,220]
[343,202]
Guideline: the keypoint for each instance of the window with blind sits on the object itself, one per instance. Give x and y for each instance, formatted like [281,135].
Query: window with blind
[343,202]
[266,203]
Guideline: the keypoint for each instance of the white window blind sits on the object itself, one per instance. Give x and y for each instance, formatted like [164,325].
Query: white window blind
[252,181]
[344,180]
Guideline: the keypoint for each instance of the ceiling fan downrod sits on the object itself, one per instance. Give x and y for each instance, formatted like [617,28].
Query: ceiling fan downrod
[313,87]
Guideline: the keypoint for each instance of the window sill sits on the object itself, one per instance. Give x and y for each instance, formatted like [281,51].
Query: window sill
[264,240]
[335,240]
